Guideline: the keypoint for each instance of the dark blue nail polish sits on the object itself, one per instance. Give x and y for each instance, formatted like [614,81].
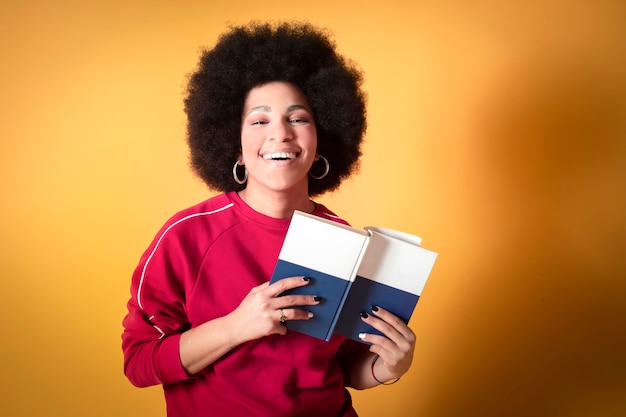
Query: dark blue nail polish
[364,315]
[317,298]
[307,279]
[374,308]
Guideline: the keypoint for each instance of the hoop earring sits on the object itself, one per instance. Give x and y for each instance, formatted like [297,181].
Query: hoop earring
[325,171]
[245,174]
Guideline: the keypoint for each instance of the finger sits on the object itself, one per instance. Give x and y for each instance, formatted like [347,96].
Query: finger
[290,314]
[283,317]
[394,321]
[294,314]
[396,334]
[285,284]
[385,328]
[296,300]
[390,352]
[380,345]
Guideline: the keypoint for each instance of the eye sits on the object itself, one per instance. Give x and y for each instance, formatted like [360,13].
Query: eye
[258,122]
[298,120]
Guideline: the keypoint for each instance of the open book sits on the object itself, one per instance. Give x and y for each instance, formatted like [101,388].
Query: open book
[352,270]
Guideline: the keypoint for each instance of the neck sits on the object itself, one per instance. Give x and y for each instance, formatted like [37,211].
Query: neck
[279,205]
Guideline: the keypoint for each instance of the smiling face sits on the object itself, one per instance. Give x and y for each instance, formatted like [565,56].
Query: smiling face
[278,139]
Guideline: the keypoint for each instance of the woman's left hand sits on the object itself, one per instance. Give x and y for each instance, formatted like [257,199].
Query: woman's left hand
[395,349]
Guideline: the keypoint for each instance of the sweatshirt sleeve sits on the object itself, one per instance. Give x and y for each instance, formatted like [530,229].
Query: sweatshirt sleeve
[349,353]
[156,310]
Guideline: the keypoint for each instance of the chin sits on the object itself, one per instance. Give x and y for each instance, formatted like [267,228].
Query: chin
[288,186]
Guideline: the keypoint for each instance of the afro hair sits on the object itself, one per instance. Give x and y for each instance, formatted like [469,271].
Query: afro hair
[249,56]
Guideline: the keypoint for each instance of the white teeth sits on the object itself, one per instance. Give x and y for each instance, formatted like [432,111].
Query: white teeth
[279,155]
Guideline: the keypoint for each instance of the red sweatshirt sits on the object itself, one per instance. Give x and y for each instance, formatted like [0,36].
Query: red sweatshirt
[200,266]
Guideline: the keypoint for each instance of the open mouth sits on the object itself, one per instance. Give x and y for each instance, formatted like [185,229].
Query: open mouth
[279,156]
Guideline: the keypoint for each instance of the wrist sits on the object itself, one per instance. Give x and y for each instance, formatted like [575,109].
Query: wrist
[377,371]
[233,331]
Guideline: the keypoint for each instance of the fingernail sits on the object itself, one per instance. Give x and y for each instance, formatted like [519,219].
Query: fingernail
[361,335]
[317,298]
[364,315]
[307,279]
[374,308]
[310,314]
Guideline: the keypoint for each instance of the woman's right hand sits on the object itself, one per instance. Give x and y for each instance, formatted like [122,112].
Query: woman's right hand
[261,313]
[264,310]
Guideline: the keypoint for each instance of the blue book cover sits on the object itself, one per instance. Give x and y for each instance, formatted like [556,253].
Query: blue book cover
[391,274]
[365,293]
[328,252]
[332,289]
[351,270]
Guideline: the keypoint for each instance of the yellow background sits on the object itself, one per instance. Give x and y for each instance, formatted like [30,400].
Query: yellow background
[496,132]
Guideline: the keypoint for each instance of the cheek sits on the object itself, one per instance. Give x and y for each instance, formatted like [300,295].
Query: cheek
[312,139]
[249,142]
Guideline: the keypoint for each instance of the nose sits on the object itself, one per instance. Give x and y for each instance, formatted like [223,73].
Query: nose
[281,131]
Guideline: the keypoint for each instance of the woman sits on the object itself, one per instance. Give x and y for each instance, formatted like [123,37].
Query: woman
[275,117]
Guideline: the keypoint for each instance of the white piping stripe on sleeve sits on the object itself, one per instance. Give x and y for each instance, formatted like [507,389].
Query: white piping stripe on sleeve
[143,272]
[161,332]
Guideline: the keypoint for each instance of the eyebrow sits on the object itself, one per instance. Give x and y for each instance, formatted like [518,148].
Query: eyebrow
[265,109]
[268,109]
[297,107]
